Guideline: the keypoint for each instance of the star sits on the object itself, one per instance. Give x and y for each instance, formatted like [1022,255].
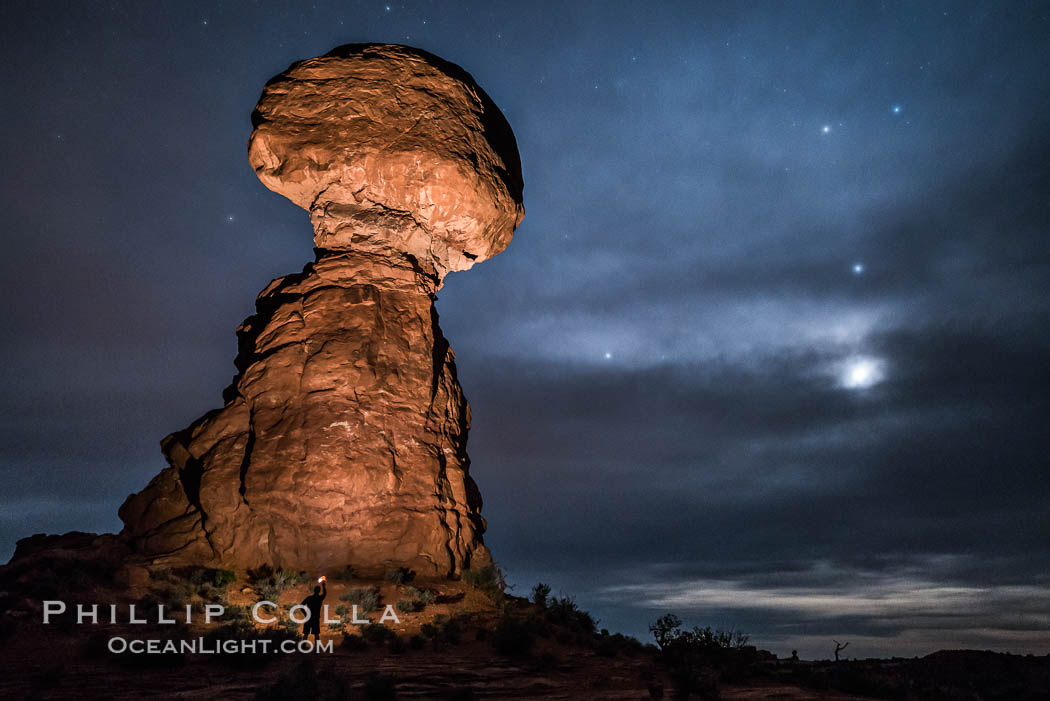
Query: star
[896,109]
[858,268]
[826,129]
[608,356]
[387,8]
[229,217]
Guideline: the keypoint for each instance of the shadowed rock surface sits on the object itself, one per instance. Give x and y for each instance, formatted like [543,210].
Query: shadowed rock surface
[343,436]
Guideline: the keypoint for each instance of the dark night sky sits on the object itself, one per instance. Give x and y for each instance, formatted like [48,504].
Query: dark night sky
[769,350]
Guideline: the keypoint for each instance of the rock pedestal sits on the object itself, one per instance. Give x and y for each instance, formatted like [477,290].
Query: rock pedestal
[343,436]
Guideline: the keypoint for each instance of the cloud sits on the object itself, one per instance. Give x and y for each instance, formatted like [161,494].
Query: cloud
[886,600]
[805,607]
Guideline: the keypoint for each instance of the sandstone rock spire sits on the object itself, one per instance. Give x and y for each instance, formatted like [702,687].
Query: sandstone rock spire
[343,436]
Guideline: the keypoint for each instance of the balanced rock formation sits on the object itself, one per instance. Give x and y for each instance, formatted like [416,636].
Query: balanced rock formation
[343,436]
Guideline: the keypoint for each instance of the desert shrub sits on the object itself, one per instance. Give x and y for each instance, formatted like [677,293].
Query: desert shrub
[377,633]
[279,577]
[489,580]
[564,612]
[209,593]
[543,628]
[305,681]
[285,579]
[409,606]
[565,637]
[284,630]
[380,687]
[270,583]
[513,636]
[213,594]
[424,596]
[615,644]
[199,576]
[452,631]
[288,625]
[443,629]
[667,630]
[341,610]
[540,593]
[193,575]
[184,584]
[235,612]
[269,592]
[223,577]
[605,647]
[396,646]
[398,576]
[259,574]
[175,596]
[697,659]
[162,574]
[721,639]
[628,644]
[366,599]
[417,642]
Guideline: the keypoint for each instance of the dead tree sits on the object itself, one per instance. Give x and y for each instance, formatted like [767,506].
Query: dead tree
[839,647]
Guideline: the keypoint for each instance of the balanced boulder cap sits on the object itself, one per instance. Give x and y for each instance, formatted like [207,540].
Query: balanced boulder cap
[343,436]
[391,149]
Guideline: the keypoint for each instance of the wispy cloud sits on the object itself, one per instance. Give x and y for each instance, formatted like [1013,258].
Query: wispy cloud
[881,609]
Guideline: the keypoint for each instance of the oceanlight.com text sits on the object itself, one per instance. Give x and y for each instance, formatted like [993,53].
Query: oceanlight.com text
[201,646]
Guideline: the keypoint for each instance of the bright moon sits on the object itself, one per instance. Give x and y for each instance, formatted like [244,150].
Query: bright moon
[861,373]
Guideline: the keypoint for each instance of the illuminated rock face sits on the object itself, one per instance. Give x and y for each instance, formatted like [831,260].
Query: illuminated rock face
[343,437]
